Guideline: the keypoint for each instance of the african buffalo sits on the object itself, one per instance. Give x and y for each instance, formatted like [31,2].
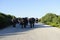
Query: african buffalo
[31,22]
[23,22]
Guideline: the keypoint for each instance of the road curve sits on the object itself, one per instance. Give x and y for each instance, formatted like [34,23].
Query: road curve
[39,32]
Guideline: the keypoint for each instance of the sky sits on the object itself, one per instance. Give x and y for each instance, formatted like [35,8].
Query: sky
[30,8]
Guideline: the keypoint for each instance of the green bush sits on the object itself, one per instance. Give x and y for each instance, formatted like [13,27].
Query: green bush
[51,19]
[5,20]
[54,24]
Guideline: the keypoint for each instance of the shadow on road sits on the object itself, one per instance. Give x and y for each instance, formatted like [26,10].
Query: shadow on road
[18,30]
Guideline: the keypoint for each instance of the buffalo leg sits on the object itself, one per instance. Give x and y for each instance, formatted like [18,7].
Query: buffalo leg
[30,25]
[14,25]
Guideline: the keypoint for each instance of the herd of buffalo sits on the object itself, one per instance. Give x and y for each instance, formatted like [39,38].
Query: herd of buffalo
[24,22]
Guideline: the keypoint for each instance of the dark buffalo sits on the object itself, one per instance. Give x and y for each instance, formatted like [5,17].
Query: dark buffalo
[23,22]
[14,21]
[32,22]
[36,20]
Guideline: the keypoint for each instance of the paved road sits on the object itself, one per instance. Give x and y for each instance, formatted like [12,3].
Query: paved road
[40,32]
